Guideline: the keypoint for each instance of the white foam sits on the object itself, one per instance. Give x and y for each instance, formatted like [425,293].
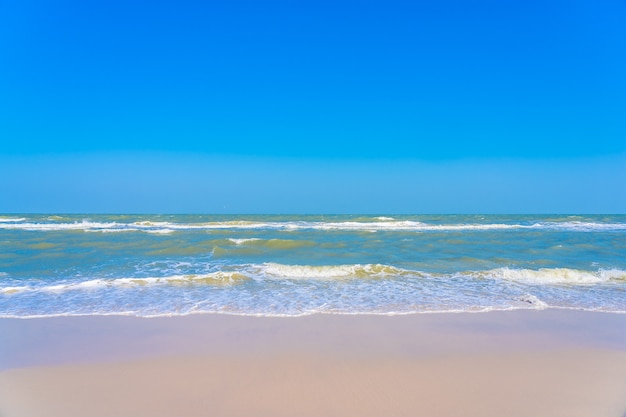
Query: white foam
[219,277]
[112,230]
[214,277]
[11,219]
[580,226]
[383,224]
[242,241]
[84,225]
[161,231]
[329,272]
[534,301]
[133,313]
[238,273]
[13,290]
[554,275]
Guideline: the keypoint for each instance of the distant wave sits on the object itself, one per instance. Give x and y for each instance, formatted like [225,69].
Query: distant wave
[242,241]
[11,219]
[384,224]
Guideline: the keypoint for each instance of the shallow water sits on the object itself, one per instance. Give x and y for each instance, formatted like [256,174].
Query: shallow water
[149,265]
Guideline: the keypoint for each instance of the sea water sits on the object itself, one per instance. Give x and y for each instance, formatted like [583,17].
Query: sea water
[160,265]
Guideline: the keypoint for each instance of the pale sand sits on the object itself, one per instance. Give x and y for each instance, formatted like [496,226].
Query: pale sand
[526,363]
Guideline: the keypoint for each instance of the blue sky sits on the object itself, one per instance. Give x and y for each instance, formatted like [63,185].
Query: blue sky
[246,107]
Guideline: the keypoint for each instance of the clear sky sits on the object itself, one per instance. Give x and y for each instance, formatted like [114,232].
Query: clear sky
[313,106]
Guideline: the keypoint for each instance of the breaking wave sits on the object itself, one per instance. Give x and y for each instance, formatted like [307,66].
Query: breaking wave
[238,274]
[215,278]
[382,224]
[331,272]
[11,219]
[554,275]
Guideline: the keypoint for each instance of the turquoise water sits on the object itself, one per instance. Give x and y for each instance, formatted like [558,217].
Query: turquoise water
[149,265]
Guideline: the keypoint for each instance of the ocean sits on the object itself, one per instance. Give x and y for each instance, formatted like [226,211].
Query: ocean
[288,265]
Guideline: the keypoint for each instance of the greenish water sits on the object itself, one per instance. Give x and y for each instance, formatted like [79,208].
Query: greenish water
[293,265]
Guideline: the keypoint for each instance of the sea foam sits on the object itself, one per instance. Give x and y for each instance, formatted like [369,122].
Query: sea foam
[330,272]
[293,265]
[554,275]
[240,273]
[384,225]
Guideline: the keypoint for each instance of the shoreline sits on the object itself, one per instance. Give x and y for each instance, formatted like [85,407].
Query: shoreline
[315,313]
[522,362]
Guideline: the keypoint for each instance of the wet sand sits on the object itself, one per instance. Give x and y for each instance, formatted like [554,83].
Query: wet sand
[540,363]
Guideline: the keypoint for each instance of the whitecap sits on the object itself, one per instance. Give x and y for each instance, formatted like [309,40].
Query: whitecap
[242,241]
[383,224]
[553,275]
[329,272]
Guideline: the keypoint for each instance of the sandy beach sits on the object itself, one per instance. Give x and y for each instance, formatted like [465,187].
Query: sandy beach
[518,363]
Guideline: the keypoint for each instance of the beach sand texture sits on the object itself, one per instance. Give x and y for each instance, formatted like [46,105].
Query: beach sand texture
[525,363]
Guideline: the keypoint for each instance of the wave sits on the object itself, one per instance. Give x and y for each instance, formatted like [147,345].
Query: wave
[553,275]
[215,278]
[11,219]
[237,274]
[580,226]
[384,224]
[84,225]
[239,242]
[544,276]
[330,272]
